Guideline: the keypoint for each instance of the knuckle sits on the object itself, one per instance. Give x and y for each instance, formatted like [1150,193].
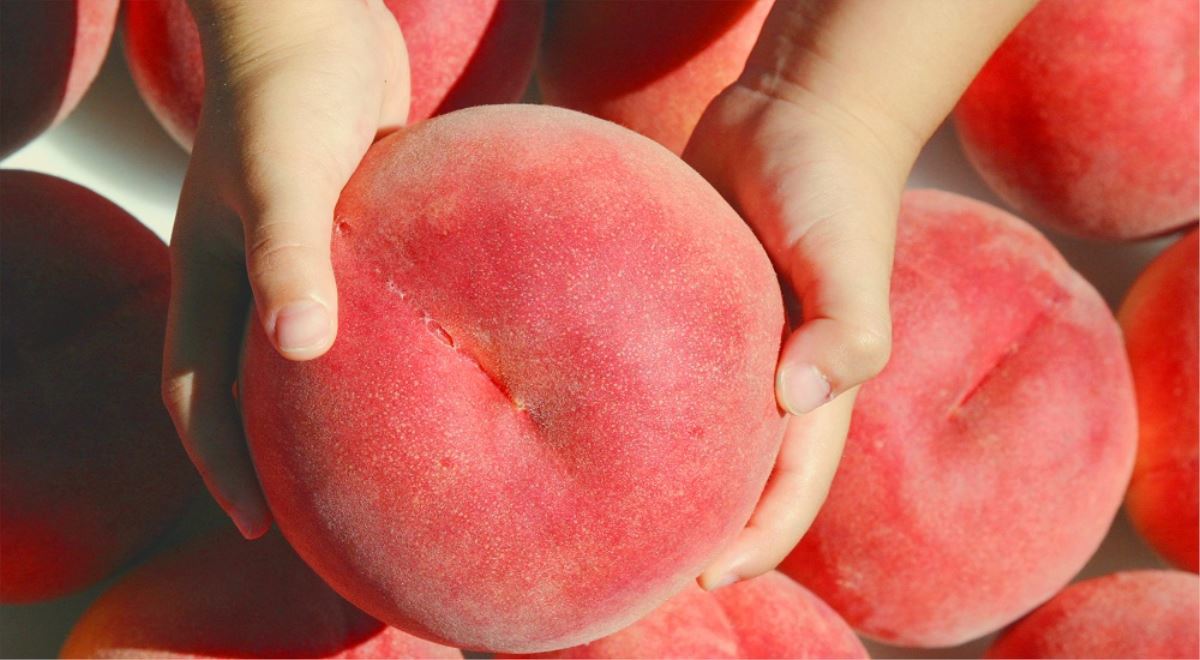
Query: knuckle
[269,254]
[868,351]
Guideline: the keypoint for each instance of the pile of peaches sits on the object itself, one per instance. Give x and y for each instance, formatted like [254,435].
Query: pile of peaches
[551,401]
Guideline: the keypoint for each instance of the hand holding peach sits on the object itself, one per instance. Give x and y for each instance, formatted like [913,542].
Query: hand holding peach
[551,400]
[298,92]
[815,161]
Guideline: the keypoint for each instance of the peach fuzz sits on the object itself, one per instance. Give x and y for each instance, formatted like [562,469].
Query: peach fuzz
[221,596]
[461,53]
[1086,118]
[551,398]
[1137,614]
[985,464]
[1159,316]
[652,66]
[50,52]
[767,617]
[92,470]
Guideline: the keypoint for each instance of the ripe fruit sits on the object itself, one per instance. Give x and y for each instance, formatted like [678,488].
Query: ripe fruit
[767,617]
[50,53]
[461,53]
[91,470]
[1139,614]
[221,596]
[985,464]
[551,399]
[1159,317]
[1087,118]
[652,66]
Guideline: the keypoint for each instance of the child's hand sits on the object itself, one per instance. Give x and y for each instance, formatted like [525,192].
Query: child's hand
[822,194]
[812,146]
[295,93]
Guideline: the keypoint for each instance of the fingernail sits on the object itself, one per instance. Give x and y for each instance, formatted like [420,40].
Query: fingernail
[248,529]
[802,388]
[243,526]
[302,325]
[725,581]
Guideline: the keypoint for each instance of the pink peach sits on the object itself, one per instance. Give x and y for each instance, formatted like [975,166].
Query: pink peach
[1159,317]
[50,52]
[1087,118]
[1139,614]
[91,470]
[551,398]
[221,596]
[767,617]
[461,53]
[651,65]
[987,461]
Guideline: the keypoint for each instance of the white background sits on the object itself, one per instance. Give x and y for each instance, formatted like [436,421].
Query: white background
[113,145]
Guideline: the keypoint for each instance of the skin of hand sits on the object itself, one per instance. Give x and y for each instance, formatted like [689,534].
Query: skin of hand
[812,145]
[295,94]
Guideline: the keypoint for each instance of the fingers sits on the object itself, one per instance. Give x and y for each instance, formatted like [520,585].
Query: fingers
[296,105]
[808,458]
[204,329]
[287,261]
[823,199]
[291,164]
[295,93]
[841,270]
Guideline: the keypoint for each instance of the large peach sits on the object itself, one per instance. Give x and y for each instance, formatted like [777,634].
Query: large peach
[1087,118]
[1159,317]
[221,596]
[1139,614]
[91,469]
[767,617]
[650,65]
[551,398]
[50,52]
[462,53]
[987,461]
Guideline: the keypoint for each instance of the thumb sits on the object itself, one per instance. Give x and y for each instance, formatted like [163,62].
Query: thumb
[295,93]
[841,270]
[287,261]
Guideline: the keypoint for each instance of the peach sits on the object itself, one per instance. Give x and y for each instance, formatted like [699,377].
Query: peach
[91,470]
[50,52]
[650,66]
[985,464]
[551,398]
[1086,118]
[221,596]
[1159,318]
[1137,614]
[767,617]
[462,53]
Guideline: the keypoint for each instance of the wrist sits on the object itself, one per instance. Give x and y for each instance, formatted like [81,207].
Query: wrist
[879,143]
[893,67]
[829,98]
